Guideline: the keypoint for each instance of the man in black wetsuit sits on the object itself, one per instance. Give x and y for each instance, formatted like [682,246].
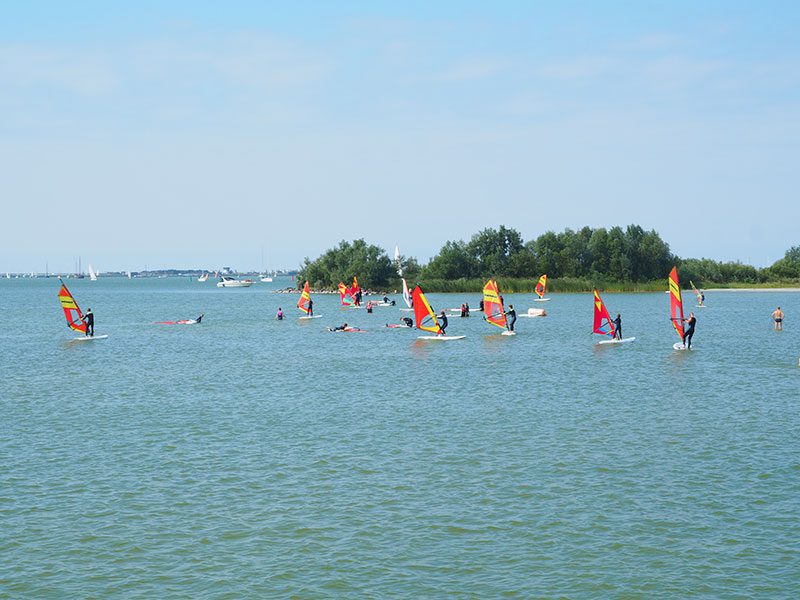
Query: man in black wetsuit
[480,305]
[200,318]
[617,327]
[88,318]
[407,321]
[339,328]
[512,317]
[310,312]
[442,323]
[688,333]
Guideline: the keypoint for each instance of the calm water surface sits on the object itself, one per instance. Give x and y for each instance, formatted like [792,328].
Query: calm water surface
[247,457]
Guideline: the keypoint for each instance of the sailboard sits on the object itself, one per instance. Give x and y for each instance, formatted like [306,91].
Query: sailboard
[541,289]
[493,306]
[73,314]
[603,325]
[345,295]
[303,303]
[676,307]
[698,295]
[425,318]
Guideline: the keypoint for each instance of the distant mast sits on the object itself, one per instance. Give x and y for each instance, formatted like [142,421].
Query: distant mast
[397,260]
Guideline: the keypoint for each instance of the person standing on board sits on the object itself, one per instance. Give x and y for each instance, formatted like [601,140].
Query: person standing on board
[466,306]
[310,312]
[442,323]
[88,318]
[512,317]
[617,327]
[687,334]
[777,316]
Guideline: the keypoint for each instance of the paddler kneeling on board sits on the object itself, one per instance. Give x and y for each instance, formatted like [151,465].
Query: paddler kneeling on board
[442,323]
[617,327]
[339,328]
[88,318]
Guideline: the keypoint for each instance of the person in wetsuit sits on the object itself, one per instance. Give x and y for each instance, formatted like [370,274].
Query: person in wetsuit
[88,318]
[310,312]
[466,306]
[200,317]
[480,305]
[442,322]
[512,317]
[688,333]
[407,321]
[339,328]
[617,327]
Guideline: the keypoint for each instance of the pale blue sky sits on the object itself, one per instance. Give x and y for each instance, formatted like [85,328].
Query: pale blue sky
[194,134]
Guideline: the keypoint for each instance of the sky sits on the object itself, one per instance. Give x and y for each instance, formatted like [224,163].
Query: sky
[202,134]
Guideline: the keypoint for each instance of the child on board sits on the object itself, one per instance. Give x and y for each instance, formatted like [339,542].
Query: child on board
[617,327]
[442,322]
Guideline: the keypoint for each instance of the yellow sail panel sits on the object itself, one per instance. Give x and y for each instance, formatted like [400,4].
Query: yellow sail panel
[305,298]
[71,310]
[493,304]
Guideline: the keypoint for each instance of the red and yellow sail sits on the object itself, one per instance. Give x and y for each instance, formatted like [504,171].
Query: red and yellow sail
[71,310]
[345,295]
[675,302]
[541,286]
[355,287]
[424,316]
[603,324]
[493,304]
[696,293]
[305,298]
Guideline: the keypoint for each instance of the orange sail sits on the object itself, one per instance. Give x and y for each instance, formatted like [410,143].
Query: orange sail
[603,324]
[345,295]
[493,305]
[305,298]
[355,287]
[675,302]
[541,286]
[424,316]
[71,310]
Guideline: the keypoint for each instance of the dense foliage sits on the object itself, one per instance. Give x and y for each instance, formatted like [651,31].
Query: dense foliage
[614,258]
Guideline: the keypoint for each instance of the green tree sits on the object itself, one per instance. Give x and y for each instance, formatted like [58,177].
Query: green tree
[454,261]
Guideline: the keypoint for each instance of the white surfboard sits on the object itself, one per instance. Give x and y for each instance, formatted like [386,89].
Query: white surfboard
[443,338]
[87,338]
[541,299]
[622,341]
[311,317]
[509,333]
[679,346]
[406,309]
[699,305]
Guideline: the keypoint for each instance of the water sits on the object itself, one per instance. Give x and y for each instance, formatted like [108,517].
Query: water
[247,457]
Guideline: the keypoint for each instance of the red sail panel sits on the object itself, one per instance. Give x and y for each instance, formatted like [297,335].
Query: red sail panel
[424,316]
[345,296]
[493,305]
[305,298]
[675,302]
[355,287]
[541,286]
[602,320]
[71,310]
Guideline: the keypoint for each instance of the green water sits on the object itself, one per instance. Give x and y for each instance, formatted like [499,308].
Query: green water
[247,457]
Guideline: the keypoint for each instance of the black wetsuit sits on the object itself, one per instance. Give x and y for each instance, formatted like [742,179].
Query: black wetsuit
[688,333]
[443,322]
[310,312]
[89,320]
[467,311]
[480,306]
[339,328]
[408,322]
[511,319]
[618,328]
[200,318]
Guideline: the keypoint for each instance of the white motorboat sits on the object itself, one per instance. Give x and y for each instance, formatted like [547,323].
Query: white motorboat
[228,281]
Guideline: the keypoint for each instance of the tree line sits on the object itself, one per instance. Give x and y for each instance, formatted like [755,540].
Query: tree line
[616,257]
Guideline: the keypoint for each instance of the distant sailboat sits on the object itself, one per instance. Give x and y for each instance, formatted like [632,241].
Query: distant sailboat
[493,309]
[203,278]
[603,325]
[541,289]
[129,274]
[92,274]
[676,307]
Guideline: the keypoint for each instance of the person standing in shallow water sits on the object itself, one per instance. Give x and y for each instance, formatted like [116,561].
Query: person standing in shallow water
[689,333]
[88,318]
[777,316]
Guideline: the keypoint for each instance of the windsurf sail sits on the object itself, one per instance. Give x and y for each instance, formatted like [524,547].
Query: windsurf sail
[406,294]
[602,320]
[493,305]
[92,274]
[354,288]
[697,293]
[345,295]
[305,298]
[397,261]
[424,316]
[675,302]
[541,286]
[71,310]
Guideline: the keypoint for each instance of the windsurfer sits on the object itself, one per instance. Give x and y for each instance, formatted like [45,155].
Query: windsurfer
[442,323]
[687,334]
[618,327]
[310,307]
[466,306]
[512,314]
[88,318]
[777,316]
[339,328]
